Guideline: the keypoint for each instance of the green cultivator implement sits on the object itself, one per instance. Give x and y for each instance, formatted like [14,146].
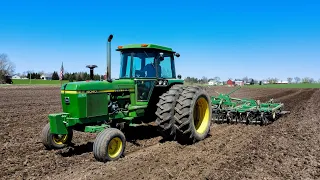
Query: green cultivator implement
[234,110]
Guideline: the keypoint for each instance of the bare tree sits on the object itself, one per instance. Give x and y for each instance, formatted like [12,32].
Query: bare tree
[297,79]
[311,80]
[6,66]
[217,79]
[272,80]
[204,79]
[245,79]
[289,80]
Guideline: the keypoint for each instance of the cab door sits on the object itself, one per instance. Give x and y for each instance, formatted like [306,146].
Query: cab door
[144,89]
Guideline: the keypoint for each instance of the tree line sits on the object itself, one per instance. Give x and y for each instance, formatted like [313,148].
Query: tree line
[7,68]
[205,80]
[75,76]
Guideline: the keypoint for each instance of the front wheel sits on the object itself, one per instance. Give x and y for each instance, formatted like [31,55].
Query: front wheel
[55,141]
[109,145]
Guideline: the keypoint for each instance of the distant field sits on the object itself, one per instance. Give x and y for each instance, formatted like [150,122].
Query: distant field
[57,82]
[302,85]
[37,81]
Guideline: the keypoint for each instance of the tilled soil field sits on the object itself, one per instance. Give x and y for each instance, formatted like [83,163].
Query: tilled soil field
[287,149]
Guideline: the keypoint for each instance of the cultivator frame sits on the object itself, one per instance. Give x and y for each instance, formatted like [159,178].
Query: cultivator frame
[226,109]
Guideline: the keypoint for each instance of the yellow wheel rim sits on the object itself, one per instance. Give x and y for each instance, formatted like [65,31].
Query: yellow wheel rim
[114,147]
[201,115]
[60,139]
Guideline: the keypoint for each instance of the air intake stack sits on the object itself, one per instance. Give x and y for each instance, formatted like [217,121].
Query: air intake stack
[91,67]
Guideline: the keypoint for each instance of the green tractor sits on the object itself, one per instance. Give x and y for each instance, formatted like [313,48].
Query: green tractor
[148,90]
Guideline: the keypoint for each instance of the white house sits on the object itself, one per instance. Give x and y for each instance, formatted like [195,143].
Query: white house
[212,82]
[46,76]
[239,83]
[282,82]
[16,77]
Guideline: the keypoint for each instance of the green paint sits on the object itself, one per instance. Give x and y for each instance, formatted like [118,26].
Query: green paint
[175,81]
[149,46]
[88,105]
[57,123]
[98,85]
[225,103]
[95,129]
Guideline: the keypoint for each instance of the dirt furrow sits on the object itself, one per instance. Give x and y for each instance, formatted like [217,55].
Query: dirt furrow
[286,149]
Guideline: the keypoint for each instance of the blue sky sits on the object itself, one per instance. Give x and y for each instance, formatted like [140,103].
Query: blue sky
[258,39]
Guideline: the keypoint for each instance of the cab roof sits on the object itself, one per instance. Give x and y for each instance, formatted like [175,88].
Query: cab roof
[144,46]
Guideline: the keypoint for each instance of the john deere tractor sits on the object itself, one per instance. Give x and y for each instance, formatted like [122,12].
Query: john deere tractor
[148,90]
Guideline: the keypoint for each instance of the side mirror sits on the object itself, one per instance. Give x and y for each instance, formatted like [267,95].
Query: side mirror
[179,76]
[177,54]
[161,56]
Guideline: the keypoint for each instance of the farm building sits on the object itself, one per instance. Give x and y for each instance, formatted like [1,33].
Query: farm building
[281,82]
[16,77]
[230,82]
[239,83]
[46,76]
[212,83]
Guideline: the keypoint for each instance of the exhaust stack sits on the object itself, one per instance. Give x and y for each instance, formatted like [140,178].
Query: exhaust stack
[108,73]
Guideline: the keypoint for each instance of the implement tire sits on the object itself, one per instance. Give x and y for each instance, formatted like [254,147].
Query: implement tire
[55,141]
[165,112]
[193,114]
[109,145]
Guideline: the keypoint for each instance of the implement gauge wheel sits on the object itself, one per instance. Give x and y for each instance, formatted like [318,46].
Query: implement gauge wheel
[109,145]
[193,114]
[55,141]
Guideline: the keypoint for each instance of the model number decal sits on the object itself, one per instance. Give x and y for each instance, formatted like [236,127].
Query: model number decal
[121,90]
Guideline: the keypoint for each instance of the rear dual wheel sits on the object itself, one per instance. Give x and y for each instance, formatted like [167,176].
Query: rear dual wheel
[165,112]
[193,114]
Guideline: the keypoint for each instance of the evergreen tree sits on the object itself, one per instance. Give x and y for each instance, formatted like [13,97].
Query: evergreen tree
[55,76]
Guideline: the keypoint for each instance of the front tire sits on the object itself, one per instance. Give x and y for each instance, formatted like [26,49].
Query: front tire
[193,115]
[109,145]
[55,141]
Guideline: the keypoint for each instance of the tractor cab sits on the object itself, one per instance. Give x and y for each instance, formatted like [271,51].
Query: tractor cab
[149,65]
[147,61]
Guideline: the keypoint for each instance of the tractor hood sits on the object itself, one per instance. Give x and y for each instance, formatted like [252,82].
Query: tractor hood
[119,84]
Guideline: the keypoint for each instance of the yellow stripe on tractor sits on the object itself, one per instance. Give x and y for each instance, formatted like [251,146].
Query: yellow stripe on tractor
[96,91]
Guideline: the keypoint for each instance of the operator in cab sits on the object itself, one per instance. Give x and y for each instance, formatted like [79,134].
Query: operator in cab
[151,69]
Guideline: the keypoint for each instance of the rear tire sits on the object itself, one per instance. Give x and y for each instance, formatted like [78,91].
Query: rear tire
[109,145]
[193,115]
[165,112]
[55,141]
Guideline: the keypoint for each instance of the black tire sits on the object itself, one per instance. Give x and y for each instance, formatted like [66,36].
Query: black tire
[165,112]
[102,143]
[53,141]
[186,130]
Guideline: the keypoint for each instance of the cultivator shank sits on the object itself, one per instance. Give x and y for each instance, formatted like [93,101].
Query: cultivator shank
[249,111]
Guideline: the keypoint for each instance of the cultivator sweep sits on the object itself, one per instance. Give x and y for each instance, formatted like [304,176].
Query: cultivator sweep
[227,109]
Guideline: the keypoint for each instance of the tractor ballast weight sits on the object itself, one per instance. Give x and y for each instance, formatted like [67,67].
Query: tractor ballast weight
[227,109]
[147,90]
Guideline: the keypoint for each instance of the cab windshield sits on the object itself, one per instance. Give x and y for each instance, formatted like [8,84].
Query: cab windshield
[143,64]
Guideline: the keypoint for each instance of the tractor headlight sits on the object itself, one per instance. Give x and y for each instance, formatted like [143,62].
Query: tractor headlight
[165,82]
[160,82]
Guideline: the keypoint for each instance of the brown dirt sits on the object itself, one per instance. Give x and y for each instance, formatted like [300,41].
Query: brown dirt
[286,149]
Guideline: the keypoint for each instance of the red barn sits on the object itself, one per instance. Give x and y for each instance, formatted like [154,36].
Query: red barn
[230,82]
